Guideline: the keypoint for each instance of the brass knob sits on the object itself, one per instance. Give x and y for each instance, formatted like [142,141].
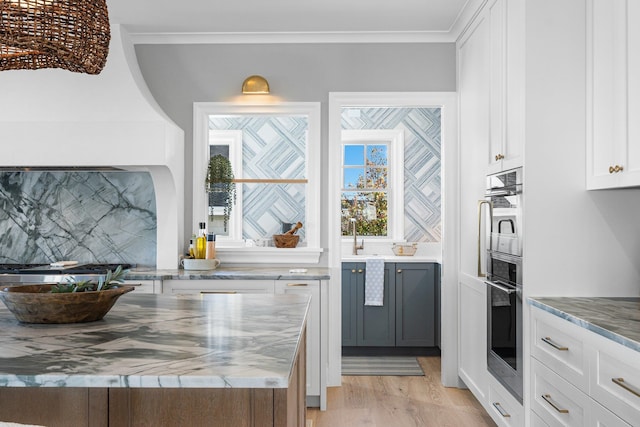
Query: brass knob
[360,271]
[353,271]
[619,168]
[399,270]
[499,157]
[611,169]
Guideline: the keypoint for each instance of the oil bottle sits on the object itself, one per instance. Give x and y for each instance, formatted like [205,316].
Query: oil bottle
[201,242]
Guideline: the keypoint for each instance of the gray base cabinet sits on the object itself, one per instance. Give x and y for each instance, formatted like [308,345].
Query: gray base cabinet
[410,316]
[417,305]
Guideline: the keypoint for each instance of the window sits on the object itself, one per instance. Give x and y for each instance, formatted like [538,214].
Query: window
[270,147]
[371,189]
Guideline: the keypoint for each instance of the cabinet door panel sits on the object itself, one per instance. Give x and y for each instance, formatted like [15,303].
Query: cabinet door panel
[416,313]
[472,312]
[351,273]
[312,288]
[376,327]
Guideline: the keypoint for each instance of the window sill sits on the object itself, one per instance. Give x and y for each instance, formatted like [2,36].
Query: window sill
[260,255]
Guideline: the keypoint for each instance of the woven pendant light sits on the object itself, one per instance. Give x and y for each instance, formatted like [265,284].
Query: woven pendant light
[69,34]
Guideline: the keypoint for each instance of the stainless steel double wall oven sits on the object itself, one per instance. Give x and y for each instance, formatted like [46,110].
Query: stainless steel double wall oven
[503,234]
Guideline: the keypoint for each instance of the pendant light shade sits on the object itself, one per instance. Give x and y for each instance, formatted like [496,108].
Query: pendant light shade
[69,34]
[253,85]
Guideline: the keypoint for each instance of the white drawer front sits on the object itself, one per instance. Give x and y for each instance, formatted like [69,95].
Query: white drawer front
[504,408]
[616,380]
[556,401]
[602,417]
[536,421]
[560,345]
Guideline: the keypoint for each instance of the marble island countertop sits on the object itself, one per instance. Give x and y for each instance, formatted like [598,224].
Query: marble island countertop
[217,341]
[232,273]
[617,319]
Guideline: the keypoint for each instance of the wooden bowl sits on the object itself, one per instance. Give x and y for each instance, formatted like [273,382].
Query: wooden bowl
[36,304]
[286,240]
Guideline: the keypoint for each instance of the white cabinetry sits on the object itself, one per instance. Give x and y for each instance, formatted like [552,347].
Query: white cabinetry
[503,407]
[316,325]
[145,286]
[613,93]
[472,321]
[579,378]
[506,85]
[181,286]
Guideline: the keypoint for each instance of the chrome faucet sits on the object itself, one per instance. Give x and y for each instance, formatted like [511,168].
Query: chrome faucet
[355,238]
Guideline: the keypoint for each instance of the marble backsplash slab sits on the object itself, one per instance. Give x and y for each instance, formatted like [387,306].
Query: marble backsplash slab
[82,216]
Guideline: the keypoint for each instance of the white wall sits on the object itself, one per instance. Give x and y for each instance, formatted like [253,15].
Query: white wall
[577,242]
[179,75]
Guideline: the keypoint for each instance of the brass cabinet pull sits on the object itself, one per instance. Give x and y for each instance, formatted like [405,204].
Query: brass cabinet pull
[553,404]
[399,270]
[616,168]
[480,236]
[353,271]
[622,383]
[360,271]
[499,157]
[553,344]
[619,168]
[297,284]
[504,413]
[611,169]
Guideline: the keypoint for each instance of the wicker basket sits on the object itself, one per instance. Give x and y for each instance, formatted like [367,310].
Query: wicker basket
[405,250]
[286,240]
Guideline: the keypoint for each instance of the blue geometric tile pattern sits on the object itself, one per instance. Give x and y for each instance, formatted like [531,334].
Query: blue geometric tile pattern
[272,147]
[83,216]
[422,166]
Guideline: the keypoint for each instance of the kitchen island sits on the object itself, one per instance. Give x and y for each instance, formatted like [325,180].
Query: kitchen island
[159,360]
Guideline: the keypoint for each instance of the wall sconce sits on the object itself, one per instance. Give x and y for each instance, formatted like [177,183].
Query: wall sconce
[69,34]
[255,85]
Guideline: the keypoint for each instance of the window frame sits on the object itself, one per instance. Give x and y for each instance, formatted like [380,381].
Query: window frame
[201,113]
[394,139]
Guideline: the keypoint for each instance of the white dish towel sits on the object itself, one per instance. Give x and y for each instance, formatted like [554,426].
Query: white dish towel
[374,282]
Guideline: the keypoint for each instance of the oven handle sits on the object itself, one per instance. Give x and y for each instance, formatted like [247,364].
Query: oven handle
[490,204]
[504,287]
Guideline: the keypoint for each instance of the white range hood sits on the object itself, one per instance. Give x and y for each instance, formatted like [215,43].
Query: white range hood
[54,118]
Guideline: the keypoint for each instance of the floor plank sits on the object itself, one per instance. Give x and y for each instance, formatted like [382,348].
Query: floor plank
[400,401]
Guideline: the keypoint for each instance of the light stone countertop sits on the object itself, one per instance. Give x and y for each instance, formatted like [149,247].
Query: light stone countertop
[238,340]
[617,319]
[393,258]
[231,273]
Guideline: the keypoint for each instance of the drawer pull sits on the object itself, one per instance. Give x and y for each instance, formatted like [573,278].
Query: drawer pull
[360,271]
[555,406]
[399,270]
[622,383]
[217,292]
[296,284]
[353,271]
[553,344]
[500,409]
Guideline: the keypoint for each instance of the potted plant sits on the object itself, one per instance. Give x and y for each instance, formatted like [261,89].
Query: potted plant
[219,183]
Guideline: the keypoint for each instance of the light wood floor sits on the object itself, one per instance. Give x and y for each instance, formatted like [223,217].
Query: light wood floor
[399,402]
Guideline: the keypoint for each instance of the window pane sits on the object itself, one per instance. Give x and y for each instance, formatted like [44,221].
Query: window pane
[370,211]
[353,178]
[377,155]
[377,178]
[354,155]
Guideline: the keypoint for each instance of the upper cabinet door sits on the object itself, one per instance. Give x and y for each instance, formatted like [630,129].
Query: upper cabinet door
[506,84]
[613,94]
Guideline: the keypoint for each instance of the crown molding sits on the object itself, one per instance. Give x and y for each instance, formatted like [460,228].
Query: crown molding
[294,37]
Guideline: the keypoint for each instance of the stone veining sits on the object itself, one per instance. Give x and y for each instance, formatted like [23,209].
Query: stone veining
[161,341]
